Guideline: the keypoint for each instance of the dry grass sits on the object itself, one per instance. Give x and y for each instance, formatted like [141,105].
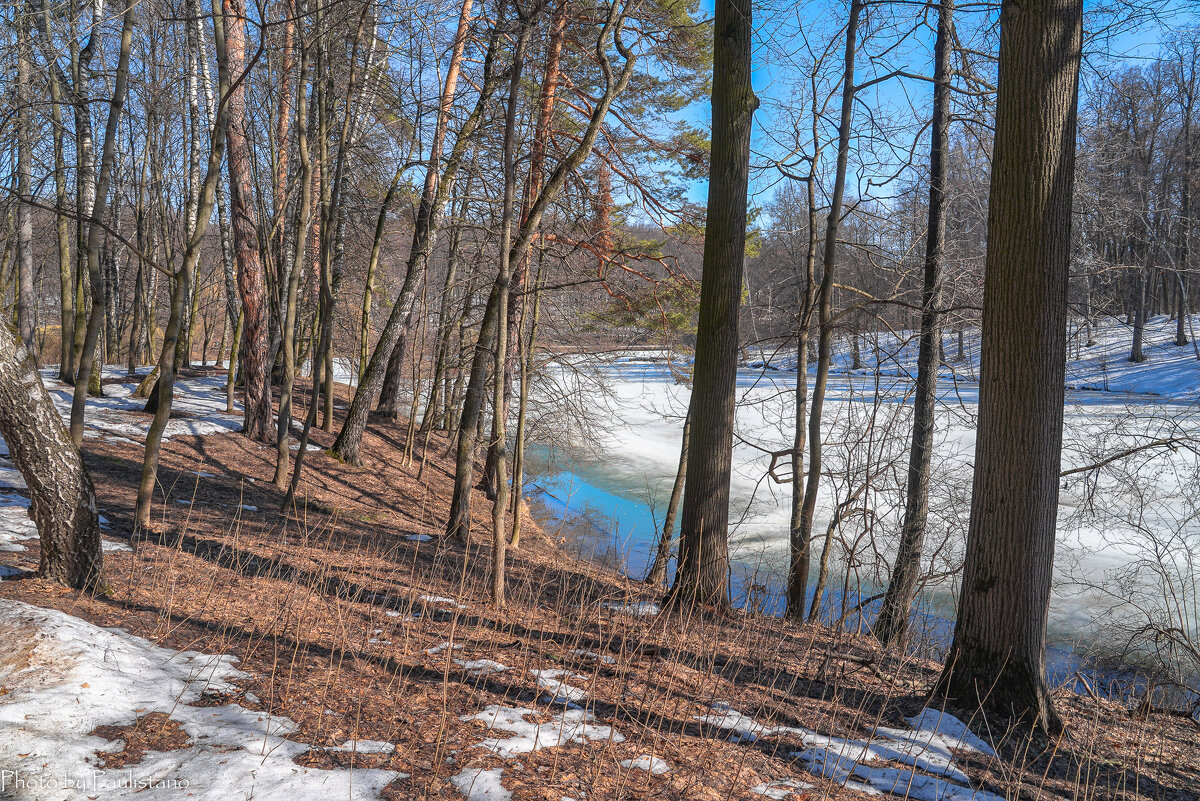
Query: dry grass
[326,608]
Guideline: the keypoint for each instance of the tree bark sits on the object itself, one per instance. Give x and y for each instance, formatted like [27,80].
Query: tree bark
[291,302]
[96,212]
[657,574]
[997,657]
[255,355]
[702,575]
[25,305]
[62,500]
[892,624]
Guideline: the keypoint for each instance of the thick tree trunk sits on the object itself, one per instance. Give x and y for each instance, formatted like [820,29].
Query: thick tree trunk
[997,657]
[892,623]
[1136,353]
[255,355]
[702,575]
[62,501]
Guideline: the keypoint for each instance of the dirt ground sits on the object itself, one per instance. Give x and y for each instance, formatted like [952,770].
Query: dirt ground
[337,609]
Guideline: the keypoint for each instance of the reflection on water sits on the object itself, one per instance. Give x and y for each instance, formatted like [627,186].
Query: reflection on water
[616,498]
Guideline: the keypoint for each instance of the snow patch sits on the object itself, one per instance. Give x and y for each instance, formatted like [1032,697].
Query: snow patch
[603,659]
[648,763]
[66,676]
[479,668]
[636,608]
[572,726]
[478,784]
[552,680]
[781,789]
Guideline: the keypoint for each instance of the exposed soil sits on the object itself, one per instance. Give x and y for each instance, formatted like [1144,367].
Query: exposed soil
[337,607]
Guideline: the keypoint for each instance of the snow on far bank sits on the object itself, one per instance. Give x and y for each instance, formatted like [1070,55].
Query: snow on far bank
[65,677]
[1169,370]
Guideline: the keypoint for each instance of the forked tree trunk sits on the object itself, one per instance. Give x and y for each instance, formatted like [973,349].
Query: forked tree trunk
[615,84]
[62,501]
[504,274]
[892,623]
[997,657]
[702,575]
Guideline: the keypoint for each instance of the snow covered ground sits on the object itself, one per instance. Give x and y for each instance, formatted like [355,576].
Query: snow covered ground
[64,677]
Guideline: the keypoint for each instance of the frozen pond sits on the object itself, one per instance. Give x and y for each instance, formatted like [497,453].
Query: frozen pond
[625,479]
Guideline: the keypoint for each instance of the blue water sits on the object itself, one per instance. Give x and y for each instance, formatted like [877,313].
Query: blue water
[624,534]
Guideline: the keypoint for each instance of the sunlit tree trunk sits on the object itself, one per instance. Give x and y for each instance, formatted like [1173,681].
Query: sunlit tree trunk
[255,366]
[24,133]
[62,501]
[96,316]
[997,657]
[702,574]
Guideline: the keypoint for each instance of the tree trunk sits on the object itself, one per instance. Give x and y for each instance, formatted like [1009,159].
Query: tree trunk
[66,369]
[504,274]
[518,479]
[96,317]
[825,296]
[892,624]
[25,298]
[657,575]
[438,183]
[799,539]
[288,334]
[1136,353]
[997,657]
[256,368]
[62,501]
[165,385]
[702,575]
[372,267]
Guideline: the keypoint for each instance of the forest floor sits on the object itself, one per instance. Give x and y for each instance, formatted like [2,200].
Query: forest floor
[371,663]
